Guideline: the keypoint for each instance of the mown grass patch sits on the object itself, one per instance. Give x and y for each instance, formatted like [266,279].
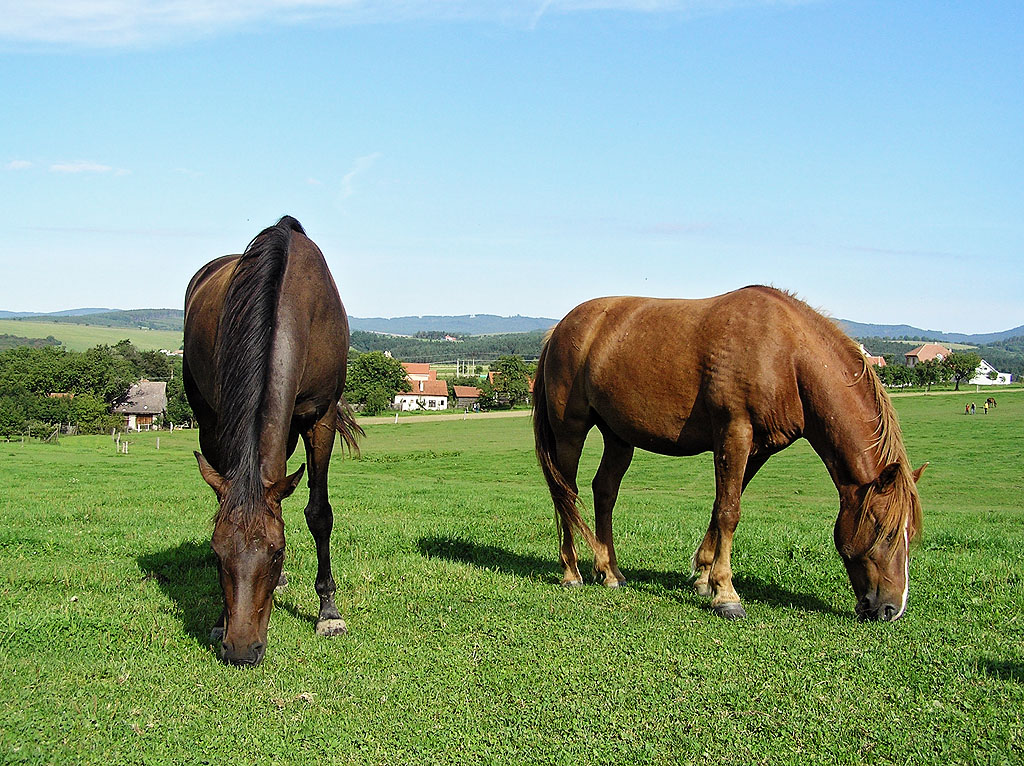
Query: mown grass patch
[463,649]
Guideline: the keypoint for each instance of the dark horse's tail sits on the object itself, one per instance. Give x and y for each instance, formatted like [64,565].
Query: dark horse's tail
[564,495]
[347,426]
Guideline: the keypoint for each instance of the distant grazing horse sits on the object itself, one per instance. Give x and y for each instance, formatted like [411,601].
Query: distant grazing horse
[991,401]
[266,340]
[743,375]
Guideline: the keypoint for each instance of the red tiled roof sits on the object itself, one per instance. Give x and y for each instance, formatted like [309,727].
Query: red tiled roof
[466,391]
[928,351]
[426,388]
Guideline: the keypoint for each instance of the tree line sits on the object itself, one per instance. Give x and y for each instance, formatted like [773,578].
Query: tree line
[373,380]
[45,387]
[958,367]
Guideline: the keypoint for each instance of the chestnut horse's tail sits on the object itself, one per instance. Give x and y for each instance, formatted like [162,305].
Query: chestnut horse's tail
[565,497]
[347,426]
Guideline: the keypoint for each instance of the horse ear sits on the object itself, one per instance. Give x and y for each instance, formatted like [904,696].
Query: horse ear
[214,479]
[887,477]
[280,489]
[918,472]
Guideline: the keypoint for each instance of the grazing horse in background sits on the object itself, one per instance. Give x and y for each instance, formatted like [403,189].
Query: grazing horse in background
[743,375]
[991,401]
[266,342]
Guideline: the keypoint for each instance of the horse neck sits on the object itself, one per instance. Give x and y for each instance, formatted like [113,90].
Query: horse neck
[843,424]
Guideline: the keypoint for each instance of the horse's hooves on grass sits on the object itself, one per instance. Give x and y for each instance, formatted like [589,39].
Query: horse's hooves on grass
[615,583]
[732,611]
[702,589]
[330,628]
[572,583]
[217,634]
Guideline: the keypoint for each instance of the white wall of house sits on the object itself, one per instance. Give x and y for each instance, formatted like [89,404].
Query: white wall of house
[981,376]
[410,401]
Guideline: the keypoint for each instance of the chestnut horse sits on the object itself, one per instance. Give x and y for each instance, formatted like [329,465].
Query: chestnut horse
[266,342]
[743,375]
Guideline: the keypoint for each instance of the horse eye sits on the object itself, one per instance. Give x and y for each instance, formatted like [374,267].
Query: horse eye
[278,554]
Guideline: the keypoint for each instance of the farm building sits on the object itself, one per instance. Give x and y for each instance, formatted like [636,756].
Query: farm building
[877,361]
[466,396]
[425,395]
[146,401]
[428,393]
[926,353]
[987,375]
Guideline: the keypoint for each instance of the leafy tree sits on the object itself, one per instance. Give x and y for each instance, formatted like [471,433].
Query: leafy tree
[374,376]
[512,380]
[178,409]
[488,399]
[961,365]
[928,373]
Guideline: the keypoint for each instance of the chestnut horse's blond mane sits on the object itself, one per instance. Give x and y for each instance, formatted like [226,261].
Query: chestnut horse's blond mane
[901,509]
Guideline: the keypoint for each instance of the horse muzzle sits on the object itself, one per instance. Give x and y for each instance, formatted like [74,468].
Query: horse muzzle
[249,656]
[874,610]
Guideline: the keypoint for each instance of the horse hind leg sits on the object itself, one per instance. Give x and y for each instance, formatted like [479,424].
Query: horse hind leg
[614,462]
[319,442]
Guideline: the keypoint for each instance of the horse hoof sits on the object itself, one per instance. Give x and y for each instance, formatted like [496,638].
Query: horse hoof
[217,634]
[730,611]
[702,589]
[615,583]
[329,628]
[572,583]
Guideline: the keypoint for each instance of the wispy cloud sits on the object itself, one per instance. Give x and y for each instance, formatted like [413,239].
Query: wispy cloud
[136,23]
[360,166]
[18,165]
[80,166]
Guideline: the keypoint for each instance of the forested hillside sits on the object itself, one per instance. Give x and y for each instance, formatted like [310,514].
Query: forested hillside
[482,347]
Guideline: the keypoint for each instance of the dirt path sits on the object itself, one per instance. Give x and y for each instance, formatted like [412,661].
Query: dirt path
[372,421]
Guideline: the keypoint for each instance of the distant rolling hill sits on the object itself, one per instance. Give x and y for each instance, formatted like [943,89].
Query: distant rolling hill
[860,330]
[463,324]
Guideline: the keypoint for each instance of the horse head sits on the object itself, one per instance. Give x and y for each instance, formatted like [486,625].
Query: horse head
[248,540]
[876,524]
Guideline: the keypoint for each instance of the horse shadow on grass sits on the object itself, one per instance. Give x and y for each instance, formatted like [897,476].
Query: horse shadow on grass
[1004,670]
[678,584]
[187,574]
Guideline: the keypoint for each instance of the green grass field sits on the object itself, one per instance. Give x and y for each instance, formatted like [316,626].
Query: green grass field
[462,648]
[79,337]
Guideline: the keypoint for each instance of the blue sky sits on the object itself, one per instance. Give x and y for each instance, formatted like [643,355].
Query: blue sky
[455,157]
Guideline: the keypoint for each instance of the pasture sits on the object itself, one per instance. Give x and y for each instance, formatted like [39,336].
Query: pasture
[79,337]
[463,649]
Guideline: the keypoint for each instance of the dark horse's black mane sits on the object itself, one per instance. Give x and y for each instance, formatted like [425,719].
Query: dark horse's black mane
[244,337]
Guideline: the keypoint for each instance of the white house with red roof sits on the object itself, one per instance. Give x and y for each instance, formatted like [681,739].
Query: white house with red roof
[428,393]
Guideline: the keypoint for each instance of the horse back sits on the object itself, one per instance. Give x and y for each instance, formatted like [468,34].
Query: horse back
[663,374]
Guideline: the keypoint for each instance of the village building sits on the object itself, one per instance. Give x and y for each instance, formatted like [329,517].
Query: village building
[146,401]
[926,353]
[466,396]
[877,361]
[428,393]
[987,375]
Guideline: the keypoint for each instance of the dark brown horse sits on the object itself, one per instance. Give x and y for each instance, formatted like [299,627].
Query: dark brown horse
[266,341]
[743,375]
[991,401]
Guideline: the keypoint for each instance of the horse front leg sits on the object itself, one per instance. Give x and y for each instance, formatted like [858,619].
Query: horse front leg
[319,442]
[731,457]
[704,556]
